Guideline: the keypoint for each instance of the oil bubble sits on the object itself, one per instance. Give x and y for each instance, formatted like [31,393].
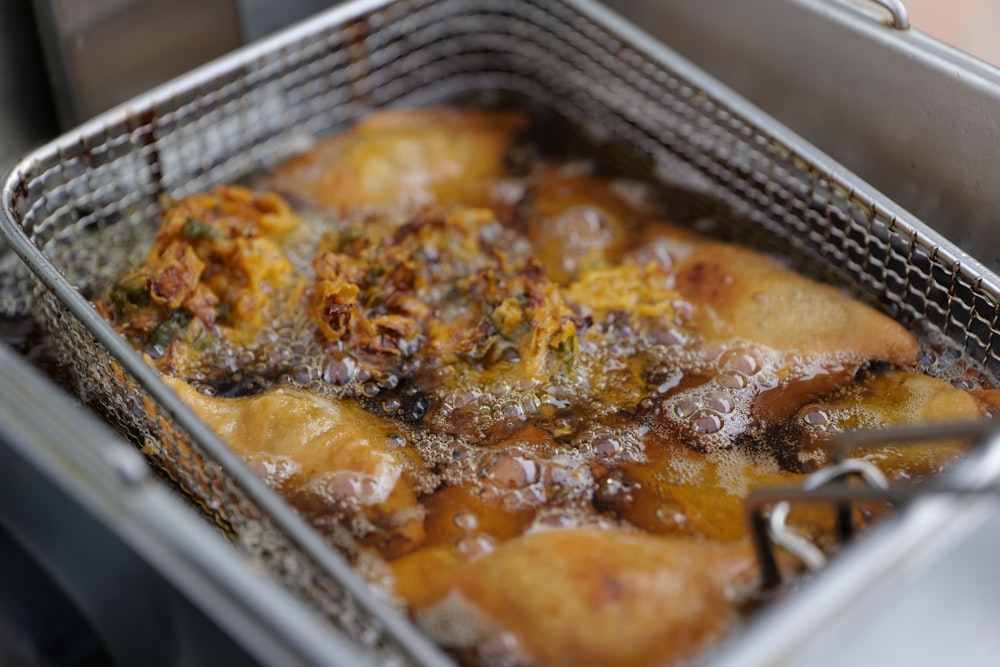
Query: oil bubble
[705,422]
[670,514]
[607,446]
[466,521]
[513,411]
[473,546]
[686,407]
[668,337]
[815,416]
[512,471]
[670,383]
[732,380]
[720,402]
[711,351]
[740,361]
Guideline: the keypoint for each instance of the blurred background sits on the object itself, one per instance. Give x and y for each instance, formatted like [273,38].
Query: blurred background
[62,61]
[971,25]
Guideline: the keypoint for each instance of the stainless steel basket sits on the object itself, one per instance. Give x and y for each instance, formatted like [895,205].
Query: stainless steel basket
[102,183]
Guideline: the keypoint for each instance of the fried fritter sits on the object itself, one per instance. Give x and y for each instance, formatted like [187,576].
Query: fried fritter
[216,268]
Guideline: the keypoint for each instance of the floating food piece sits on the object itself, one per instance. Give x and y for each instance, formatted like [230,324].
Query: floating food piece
[678,491]
[441,297]
[893,399]
[406,160]
[329,458]
[586,596]
[748,296]
[577,221]
[461,525]
[216,268]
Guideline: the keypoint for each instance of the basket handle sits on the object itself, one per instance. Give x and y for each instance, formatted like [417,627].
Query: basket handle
[896,8]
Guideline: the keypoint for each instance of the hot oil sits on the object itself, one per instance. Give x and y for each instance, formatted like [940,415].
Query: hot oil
[649,429]
[557,448]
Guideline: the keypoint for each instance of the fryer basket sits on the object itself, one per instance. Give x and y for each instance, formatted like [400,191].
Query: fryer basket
[102,183]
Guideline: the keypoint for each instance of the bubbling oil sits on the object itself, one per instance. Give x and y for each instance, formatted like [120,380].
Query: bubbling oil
[593,419]
[648,428]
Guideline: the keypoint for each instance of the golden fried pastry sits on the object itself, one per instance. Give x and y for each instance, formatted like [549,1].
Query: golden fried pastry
[580,597]
[406,160]
[750,297]
[461,524]
[893,399]
[989,399]
[325,456]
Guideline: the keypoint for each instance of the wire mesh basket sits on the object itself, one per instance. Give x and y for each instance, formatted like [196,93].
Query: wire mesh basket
[101,184]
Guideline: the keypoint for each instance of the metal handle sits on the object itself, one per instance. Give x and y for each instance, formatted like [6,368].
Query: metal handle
[768,529]
[896,8]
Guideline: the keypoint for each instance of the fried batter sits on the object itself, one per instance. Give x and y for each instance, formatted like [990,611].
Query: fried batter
[577,222]
[331,459]
[216,268]
[406,160]
[591,597]
[892,399]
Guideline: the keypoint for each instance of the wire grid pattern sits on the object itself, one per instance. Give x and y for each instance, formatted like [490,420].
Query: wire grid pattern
[232,122]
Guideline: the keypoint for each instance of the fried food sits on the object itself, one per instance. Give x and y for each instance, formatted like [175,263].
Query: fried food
[331,459]
[893,399]
[680,492]
[825,334]
[215,269]
[592,597]
[537,400]
[405,160]
[577,221]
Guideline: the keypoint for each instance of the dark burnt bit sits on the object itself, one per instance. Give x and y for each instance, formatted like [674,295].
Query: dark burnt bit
[782,442]
[613,490]
[241,384]
[396,397]
[704,281]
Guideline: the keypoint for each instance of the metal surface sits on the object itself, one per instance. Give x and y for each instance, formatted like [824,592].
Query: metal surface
[784,537]
[262,17]
[917,593]
[768,508]
[912,116]
[102,52]
[104,181]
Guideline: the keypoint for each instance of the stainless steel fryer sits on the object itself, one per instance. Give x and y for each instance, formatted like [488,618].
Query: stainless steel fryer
[101,184]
